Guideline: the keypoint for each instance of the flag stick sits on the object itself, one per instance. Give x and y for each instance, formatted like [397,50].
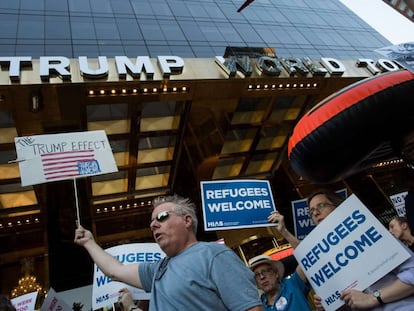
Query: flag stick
[77,202]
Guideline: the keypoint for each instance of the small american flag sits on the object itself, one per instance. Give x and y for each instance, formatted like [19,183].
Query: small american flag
[68,164]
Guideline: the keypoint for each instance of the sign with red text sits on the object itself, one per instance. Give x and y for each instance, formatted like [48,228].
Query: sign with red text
[54,303]
[346,251]
[25,302]
[47,158]
[105,290]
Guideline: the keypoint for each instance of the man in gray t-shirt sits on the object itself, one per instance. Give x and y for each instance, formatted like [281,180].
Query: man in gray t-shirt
[193,275]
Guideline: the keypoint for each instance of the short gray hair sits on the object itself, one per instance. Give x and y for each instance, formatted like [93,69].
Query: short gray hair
[182,206]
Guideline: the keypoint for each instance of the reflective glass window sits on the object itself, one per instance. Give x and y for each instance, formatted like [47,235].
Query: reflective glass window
[172,30]
[31,26]
[192,31]
[142,8]
[9,4]
[8,26]
[57,27]
[179,9]
[101,6]
[152,30]
[129,29]
[83,28]
[31,5]
[121,6]
[53,5]
[79,6]
[106,28]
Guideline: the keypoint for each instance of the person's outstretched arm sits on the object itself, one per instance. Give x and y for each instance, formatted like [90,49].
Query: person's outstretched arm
[279,220]
[105,261]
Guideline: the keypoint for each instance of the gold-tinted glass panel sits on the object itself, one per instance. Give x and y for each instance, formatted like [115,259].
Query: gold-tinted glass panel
[160,116]
[113,118]
[250,110]
[156,149]
[16,199]
[287,108]
[111,127]
[8,171]
[239,140]
[152,177]
[262,163]
[229,167]
[7,135]
[274,137]
[120,150]
[110,183]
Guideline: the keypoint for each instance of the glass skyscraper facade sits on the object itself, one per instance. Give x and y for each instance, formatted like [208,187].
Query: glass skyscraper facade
[186,28]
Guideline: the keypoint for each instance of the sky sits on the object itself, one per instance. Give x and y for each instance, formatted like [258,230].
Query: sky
[383,18]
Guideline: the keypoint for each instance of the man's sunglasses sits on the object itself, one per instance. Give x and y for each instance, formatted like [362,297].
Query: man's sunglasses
[162,216]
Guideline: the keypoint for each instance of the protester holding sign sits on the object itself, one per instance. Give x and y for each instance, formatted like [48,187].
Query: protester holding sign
[279,292]
[395,291]
[193,276]
[279,220]
[399,228]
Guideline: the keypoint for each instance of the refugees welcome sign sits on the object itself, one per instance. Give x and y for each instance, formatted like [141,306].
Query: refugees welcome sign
[234,204]
[105,290]
[346,251]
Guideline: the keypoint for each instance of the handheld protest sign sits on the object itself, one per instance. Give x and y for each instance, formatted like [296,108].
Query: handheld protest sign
[398,200]
[235,204]
[54,303]
[105,290]
[302,223]
[25,302]
[53,157]
[336,254]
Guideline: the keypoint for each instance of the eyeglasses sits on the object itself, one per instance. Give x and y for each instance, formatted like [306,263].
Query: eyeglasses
[162,216]
[263,273]
[319,207]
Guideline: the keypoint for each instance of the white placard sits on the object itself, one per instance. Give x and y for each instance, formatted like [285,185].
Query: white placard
[104,290]
[53,157]
[25,302]
[347,251]
[398,200]
[54,303]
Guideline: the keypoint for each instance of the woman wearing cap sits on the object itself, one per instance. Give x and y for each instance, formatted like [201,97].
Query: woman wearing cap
[279,293]
[395,291]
